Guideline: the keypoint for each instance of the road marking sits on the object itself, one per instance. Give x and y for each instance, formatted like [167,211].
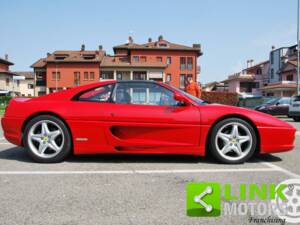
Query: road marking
[79,172]
[278,168]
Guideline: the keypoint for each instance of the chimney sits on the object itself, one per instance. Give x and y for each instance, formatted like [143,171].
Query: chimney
[6,56]
[197,46]
[82,47]
[160,38]
[273,47]
[100,47]
[48,54]
[149,39]
[130,40]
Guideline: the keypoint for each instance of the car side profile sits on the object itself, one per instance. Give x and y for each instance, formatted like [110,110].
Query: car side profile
[139,117]
[275,106]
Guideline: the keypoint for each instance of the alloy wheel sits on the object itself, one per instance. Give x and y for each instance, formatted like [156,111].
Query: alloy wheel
[234,141]
[46,139]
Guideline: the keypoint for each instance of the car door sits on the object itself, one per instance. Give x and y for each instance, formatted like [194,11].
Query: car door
[146,116]
[283,106]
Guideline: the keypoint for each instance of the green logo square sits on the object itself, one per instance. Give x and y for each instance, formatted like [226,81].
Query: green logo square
[203,199]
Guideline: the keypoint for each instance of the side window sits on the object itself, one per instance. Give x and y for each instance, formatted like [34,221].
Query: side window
[144,94]
[284,101]
[99,94]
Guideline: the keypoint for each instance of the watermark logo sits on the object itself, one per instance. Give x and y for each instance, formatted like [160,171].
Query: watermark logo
[289,208]
[204,199]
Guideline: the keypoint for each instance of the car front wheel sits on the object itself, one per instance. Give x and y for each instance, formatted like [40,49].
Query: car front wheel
[233,141]
[47,139]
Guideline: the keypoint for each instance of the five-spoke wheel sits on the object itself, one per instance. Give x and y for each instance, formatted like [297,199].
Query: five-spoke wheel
[233,141]
[47,139]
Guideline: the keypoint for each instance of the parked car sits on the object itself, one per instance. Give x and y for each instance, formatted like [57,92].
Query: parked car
[294,109]
[275,106]
[139,117]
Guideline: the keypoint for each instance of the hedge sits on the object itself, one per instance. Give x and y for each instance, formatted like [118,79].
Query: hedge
[5,99]
[226,98]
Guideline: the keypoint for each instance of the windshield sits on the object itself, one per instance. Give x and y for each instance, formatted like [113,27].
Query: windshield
[272,101]
[195,99]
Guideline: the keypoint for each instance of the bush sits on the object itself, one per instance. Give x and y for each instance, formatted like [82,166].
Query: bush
[5,99]
[226,98]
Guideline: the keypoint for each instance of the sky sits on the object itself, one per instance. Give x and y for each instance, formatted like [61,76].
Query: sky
[229,31]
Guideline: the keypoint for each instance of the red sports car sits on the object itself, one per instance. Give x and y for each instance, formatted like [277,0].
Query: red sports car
[139,117]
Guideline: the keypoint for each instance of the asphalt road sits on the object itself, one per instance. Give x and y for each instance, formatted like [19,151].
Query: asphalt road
[105,189]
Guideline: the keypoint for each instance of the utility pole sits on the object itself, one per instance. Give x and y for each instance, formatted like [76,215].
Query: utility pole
[56,76]
[298,56]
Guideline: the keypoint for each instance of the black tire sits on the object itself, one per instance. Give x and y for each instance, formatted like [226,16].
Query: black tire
[212,143]
[296,118]
[66,146]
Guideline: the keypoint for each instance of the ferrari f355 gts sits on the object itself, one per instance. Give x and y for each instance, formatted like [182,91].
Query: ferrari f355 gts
[139,117]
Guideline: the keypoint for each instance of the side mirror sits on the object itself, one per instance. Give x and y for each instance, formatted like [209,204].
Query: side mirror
[180,98]
[277,103]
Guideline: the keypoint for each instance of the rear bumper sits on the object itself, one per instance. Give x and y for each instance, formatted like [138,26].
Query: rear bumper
[12,129]
[276,139]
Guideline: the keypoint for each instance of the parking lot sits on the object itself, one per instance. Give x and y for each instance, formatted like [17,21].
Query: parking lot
[104,189]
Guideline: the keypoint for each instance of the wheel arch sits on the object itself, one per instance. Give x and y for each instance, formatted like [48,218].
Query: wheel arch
[238,116]
[45,113]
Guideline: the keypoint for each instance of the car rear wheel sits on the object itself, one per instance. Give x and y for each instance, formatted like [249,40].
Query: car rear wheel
[47,139]
[233,141]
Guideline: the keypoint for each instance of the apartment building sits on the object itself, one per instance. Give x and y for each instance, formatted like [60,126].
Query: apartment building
[249,81]
[282,72]
[158,60]
[15,83]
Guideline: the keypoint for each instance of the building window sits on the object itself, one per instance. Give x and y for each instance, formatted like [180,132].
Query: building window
[107,75]
[119,76]
[18,83]
[182,81]
[92,76]
[272,73]
[182,63]
[143,59]
[55,75]
[159,59]
[136,58]
[86,76]
[290,77]
[272,57]
[169,60]
[30,86]
[169,77]
[7,81]
[190,63]
[139,76]
[76,78]
[259,71]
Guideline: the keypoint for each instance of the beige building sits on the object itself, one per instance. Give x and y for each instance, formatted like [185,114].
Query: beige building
[24,87]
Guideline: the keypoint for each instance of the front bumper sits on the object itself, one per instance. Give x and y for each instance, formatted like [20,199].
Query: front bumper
[276,139]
